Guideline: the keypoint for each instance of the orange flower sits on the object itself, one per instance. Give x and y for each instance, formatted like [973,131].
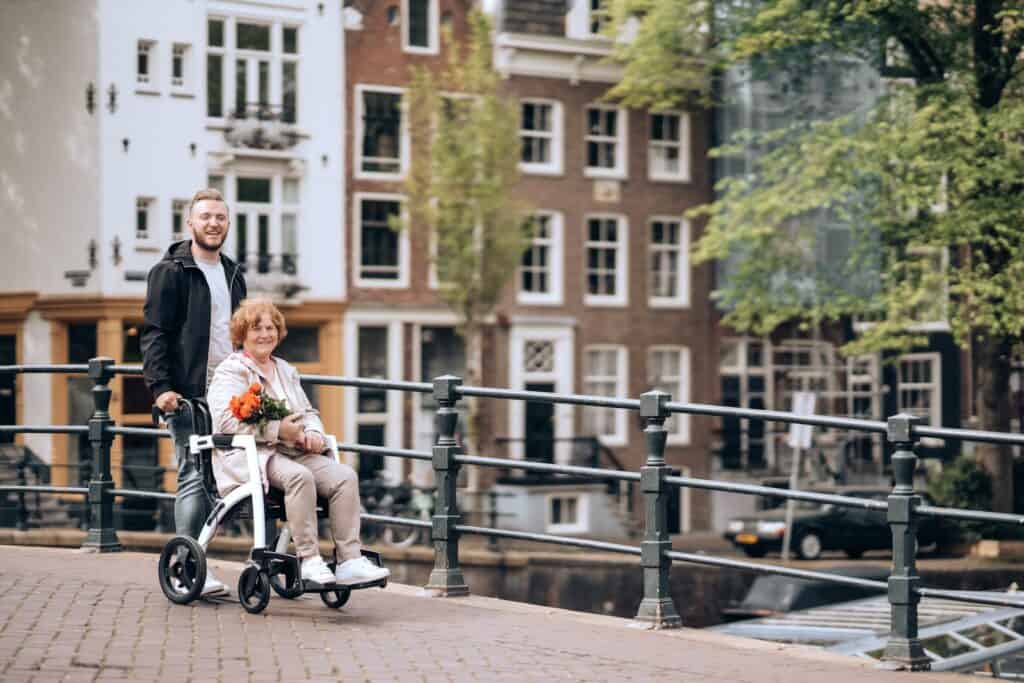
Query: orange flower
[255,388]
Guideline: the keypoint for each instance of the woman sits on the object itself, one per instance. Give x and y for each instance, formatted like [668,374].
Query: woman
[290,450]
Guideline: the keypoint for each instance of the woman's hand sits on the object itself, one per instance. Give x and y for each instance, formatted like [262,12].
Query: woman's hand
[313,442]
[290,430]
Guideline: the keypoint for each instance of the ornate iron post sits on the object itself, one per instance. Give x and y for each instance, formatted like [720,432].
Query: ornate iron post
[102,537]
[657,607]
[446,579]
[904,650]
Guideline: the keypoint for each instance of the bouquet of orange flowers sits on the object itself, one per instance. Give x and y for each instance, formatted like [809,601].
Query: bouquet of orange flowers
[255,406]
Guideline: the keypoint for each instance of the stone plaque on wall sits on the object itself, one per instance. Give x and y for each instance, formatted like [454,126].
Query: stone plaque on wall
[606,191]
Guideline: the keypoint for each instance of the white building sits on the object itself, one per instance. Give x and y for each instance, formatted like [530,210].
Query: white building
[115,112]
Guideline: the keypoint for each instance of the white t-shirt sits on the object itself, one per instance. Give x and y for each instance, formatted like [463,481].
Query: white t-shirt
[220,316]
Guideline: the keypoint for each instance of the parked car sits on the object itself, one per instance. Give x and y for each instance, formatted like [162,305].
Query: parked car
[771,595]
[818,527]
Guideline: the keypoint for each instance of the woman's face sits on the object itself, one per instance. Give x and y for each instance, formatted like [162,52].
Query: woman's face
[261,338]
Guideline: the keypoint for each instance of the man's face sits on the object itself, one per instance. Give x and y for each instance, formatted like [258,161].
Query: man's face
[209,223]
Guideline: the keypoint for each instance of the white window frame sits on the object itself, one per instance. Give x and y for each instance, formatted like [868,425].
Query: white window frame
[556,138]
[402,282]
[621,296]
[682,145]
[147,82]
[620,170]
[620,437]
[149,205]
[404,143]
[679,434]
[682,249]
[942,323]
[934,359]
[182,85]
[555,245]
[580,526]
[433,30]
[182,206]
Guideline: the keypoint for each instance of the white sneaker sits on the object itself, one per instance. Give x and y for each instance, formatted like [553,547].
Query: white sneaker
[213,586]
[359,570]
[315,570]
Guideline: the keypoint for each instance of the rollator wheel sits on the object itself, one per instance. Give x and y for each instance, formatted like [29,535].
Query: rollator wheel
[285,583]
[337,598]
[182,570]
[253,590]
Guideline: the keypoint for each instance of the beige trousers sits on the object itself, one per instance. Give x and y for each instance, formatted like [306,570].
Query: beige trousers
[302,478]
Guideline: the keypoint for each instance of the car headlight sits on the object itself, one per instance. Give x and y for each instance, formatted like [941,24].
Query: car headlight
[735,526]
[771,528]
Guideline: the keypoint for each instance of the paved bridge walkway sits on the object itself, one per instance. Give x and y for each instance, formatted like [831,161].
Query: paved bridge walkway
[68,616]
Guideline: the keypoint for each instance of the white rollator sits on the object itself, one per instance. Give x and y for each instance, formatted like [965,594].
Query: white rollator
[182,569]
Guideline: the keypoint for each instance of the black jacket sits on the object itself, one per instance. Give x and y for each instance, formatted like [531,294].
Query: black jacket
[176,321]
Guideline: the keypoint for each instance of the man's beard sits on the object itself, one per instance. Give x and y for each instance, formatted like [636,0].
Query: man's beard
[207,243]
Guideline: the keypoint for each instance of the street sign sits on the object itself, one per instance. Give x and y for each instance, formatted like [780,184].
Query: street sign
[800,435]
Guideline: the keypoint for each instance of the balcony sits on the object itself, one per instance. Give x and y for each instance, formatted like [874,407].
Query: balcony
[262,126]
[273,275]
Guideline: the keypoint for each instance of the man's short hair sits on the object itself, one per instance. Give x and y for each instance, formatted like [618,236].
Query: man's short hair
[208,193]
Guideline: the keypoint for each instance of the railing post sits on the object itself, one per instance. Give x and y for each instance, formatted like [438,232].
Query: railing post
[22,512]
[657,607]
[446,579]
[102,537]
[904,650]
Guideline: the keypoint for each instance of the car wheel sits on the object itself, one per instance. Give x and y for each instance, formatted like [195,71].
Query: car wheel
[808,546]
[854,553]
[753,551]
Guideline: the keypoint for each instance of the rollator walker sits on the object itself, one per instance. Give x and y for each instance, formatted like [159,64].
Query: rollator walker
[182,568]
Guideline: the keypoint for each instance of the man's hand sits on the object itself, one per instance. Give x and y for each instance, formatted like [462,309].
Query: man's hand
[167,402]
[290,430]
[313,442]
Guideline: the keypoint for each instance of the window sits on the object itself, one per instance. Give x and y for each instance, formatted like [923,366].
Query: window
[371,404]
[144,227]
[420,26]
[669,267]
[919,391]
[668,151]
[145,70]
[567,513]
[929,274]
[254,76]
[379,120]
[179,209]
[604,374]
[289,226]
[668,370]
[540,272]
[382,252]
[179,65]
[606,261]
[606,142]
[264,223]
[596,16]
[540,132]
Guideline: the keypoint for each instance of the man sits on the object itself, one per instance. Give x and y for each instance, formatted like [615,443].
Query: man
[190,296]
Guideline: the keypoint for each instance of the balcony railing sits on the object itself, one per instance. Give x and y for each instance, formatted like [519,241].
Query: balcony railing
[258,125]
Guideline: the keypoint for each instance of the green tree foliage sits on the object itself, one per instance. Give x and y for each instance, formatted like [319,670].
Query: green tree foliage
[966,485]
[932,172]
[465,153]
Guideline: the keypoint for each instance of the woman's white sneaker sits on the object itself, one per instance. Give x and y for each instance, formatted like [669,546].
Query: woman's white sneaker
[359,570]
[213,587]
[315,570]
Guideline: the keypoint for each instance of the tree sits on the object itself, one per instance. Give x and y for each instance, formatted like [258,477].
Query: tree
[465,153]
[934,167]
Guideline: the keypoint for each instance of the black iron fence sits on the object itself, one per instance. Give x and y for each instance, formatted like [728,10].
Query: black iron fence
[656,479]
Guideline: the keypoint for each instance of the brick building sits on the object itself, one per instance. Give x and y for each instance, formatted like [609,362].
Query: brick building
[605,301]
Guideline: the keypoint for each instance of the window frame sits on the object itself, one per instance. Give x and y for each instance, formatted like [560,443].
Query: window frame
[182,85]
[556,245]
[580,526]
[556,166]
[402,282]
[620,437]
[682,298]
[680,435]
[433,29]
[404,151]
[934,359]
[683,146]
[148,204]
[621,296]
[181,204]
[147,83]
[620,171]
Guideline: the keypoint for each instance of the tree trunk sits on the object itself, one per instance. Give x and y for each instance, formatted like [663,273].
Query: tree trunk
[992,364]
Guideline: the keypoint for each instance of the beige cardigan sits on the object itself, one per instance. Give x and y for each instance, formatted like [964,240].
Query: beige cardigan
[232,378]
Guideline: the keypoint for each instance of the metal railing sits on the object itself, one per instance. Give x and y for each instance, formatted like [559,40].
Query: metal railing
[903,508]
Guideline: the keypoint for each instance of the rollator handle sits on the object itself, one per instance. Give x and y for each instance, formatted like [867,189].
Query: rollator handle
[222,440]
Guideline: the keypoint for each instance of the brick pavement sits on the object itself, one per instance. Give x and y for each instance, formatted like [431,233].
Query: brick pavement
[69,616]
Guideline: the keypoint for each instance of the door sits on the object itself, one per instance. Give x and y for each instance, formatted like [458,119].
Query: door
[8,356]
[540,426]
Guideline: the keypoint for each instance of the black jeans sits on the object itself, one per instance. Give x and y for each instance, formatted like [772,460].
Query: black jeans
[191,506]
